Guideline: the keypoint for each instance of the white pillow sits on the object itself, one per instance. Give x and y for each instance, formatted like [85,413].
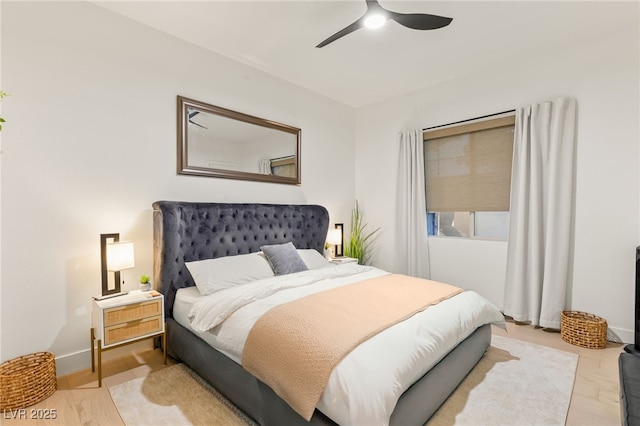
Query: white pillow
[313,259]
[211,275]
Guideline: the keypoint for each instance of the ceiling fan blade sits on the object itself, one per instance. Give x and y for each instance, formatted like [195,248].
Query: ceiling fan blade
[420,21]
[343,32]
[199,125]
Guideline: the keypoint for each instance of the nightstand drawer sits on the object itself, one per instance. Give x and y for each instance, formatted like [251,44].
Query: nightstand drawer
[131,312]
[132,329]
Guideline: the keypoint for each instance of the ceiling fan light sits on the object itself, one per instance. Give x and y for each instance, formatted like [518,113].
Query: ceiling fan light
[374,21]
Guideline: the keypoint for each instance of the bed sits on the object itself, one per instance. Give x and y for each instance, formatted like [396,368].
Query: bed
[188,233]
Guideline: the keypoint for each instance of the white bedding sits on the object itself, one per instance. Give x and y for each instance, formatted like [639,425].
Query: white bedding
[399,356]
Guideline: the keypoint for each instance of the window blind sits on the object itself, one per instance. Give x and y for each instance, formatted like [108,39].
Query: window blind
[284,166]
[468,168]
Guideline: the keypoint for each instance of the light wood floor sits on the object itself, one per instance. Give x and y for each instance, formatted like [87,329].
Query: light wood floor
[78,400]
[595,399]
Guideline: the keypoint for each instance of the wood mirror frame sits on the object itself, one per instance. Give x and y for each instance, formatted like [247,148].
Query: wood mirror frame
[246,147]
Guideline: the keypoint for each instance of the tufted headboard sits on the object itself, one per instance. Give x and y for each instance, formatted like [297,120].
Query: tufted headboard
[188,231]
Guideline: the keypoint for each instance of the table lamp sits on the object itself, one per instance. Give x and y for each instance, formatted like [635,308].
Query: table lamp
[115,256]
[334,238]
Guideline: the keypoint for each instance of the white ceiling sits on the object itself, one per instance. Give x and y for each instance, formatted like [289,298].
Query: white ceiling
[279,38]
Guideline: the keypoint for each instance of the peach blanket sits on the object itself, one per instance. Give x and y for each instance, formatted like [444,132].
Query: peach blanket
[294,347]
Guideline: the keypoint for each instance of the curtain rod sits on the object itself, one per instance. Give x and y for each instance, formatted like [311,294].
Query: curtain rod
[469,119]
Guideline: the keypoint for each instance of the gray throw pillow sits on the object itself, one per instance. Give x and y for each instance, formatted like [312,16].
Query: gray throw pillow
[284,258]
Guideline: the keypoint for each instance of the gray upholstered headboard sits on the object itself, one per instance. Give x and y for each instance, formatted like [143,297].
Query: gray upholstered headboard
[187,231]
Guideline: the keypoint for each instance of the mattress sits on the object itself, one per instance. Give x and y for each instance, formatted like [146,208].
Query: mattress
[399,355]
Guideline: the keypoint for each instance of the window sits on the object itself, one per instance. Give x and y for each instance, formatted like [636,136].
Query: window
[468,178]
[284,166]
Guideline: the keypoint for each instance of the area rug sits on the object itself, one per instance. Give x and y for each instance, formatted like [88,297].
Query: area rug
[515,383]
[174,396]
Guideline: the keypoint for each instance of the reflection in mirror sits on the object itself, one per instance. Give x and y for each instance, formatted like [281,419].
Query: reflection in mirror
[217,142]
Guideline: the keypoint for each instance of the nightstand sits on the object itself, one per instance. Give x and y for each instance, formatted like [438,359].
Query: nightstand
[343,259]
[126,319]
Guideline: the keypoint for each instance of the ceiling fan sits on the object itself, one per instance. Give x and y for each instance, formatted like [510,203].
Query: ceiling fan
[191,113]
[376,16]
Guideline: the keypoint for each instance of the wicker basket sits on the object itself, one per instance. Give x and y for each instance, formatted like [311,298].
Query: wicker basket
[27,380]
[583,329]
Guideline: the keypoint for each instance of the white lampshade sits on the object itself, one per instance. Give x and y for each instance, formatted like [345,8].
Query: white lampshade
[120,256]
[334,236]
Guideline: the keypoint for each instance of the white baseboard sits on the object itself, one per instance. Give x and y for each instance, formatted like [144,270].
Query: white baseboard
[72,363]
[620,335]
[67,364]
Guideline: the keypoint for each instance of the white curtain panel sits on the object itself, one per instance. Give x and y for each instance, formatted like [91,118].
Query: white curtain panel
[542,199]
[265,166]
[412,251]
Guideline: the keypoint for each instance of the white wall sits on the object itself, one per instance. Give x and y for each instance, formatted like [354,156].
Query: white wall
[602,75]
[90,143]
[90,140]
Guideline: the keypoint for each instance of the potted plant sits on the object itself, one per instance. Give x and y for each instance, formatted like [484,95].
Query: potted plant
[360,239]
[145,282]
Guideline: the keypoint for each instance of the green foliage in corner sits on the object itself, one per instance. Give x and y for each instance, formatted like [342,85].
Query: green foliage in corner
[144,279]
[360,240]
[2,95]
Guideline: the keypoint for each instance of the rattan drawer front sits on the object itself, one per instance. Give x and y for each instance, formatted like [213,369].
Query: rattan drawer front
[135,311]
[131,330]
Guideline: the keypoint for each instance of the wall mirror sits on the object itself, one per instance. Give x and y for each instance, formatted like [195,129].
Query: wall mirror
[218,142]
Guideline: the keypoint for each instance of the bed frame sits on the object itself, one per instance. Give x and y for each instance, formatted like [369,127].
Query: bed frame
[187,231]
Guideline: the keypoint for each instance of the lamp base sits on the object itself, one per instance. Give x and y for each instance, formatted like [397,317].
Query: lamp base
[109,296]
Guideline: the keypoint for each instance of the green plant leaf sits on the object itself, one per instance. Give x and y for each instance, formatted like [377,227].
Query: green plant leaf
[360,240]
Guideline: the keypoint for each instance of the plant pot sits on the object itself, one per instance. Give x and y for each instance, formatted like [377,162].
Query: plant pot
[327,254]
[145,287]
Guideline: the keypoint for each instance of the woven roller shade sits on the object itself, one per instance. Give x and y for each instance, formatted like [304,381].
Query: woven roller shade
[470,171]
[284,167]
